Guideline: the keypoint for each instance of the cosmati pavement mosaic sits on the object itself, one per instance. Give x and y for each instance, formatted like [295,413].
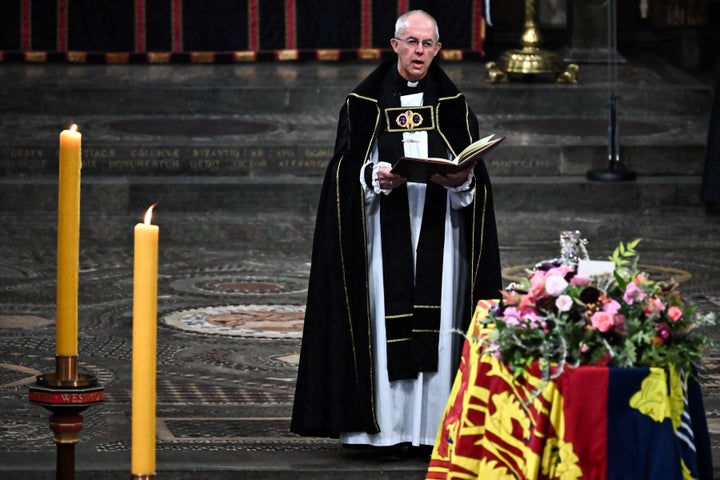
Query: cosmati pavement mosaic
[230,309]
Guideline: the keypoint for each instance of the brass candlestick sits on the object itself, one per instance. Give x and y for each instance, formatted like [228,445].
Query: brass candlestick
[66,393]
[530,59]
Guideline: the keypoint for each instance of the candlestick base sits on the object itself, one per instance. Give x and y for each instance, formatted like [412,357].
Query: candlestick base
[82,380]
[66,397]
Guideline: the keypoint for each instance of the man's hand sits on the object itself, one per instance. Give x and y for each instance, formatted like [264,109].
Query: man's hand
[453,180]
[388,180]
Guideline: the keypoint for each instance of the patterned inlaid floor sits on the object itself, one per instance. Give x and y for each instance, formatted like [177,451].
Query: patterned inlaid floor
[230,316]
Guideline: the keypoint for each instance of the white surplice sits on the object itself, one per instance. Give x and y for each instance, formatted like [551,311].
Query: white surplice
[409,411]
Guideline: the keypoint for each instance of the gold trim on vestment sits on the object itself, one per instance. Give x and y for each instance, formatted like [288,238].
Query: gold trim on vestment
[395,340]
[367,286]
[482,237]
[404,119]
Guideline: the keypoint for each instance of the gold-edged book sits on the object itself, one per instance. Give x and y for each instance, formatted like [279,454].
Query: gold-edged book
[421,169]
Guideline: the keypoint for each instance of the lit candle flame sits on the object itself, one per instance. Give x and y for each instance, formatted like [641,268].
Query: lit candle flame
[73,128]
[148,214]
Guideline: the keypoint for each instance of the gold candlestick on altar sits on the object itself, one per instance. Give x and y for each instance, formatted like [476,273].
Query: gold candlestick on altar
[531,59]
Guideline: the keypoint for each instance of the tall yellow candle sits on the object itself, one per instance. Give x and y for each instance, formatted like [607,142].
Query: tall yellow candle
[144,361]
[68,245]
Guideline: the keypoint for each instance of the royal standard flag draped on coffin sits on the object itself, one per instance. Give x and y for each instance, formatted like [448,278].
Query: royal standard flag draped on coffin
[588,423]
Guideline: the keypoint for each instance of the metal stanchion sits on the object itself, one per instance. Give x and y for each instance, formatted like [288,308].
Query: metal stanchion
[615,170]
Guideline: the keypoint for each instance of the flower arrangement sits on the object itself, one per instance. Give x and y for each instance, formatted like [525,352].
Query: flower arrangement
[560,319]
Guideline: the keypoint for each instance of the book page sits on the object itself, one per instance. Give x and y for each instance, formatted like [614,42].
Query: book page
[421,169]
[475,146]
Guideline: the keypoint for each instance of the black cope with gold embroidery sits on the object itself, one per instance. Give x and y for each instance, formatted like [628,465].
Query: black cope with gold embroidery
[336,366]
[409,119]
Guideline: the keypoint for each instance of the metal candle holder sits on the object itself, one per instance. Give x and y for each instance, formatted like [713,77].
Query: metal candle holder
[66,393]
[530,59]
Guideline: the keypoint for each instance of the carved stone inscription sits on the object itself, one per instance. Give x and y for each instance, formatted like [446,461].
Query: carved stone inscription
[159,160]
[26,160]
[520,166]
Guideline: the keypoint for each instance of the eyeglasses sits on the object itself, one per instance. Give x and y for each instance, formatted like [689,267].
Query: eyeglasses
[413,42]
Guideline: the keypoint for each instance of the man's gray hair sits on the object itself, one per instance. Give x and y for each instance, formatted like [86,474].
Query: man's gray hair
[401,23]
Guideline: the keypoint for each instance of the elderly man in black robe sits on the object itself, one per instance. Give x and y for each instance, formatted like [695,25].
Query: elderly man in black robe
[397,266]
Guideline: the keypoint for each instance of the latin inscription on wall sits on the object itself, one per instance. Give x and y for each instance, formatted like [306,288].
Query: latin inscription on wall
[214,160]
[221,160]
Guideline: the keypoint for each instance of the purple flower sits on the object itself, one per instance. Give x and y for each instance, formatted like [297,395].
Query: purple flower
[532,318]
[663,330]
[511,316]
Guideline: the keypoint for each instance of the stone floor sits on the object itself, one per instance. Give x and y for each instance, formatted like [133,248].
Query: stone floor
[230,306]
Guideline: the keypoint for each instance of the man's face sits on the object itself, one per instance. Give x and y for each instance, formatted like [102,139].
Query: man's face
[417,48]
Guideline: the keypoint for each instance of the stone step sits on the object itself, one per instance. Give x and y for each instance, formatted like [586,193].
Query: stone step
[301,145]
[232,137]
[300,194]
[72,90]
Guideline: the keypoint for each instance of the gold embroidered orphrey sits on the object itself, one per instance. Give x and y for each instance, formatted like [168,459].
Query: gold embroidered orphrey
[416,118]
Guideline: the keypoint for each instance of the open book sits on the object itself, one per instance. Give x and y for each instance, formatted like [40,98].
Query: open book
[421,169]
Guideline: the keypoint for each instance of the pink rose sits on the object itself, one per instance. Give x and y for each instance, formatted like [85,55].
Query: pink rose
[603,321]
[537,282]
[633,294]
[578,281]
[555,285]
[674,313]
[611,307]
[562,270]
